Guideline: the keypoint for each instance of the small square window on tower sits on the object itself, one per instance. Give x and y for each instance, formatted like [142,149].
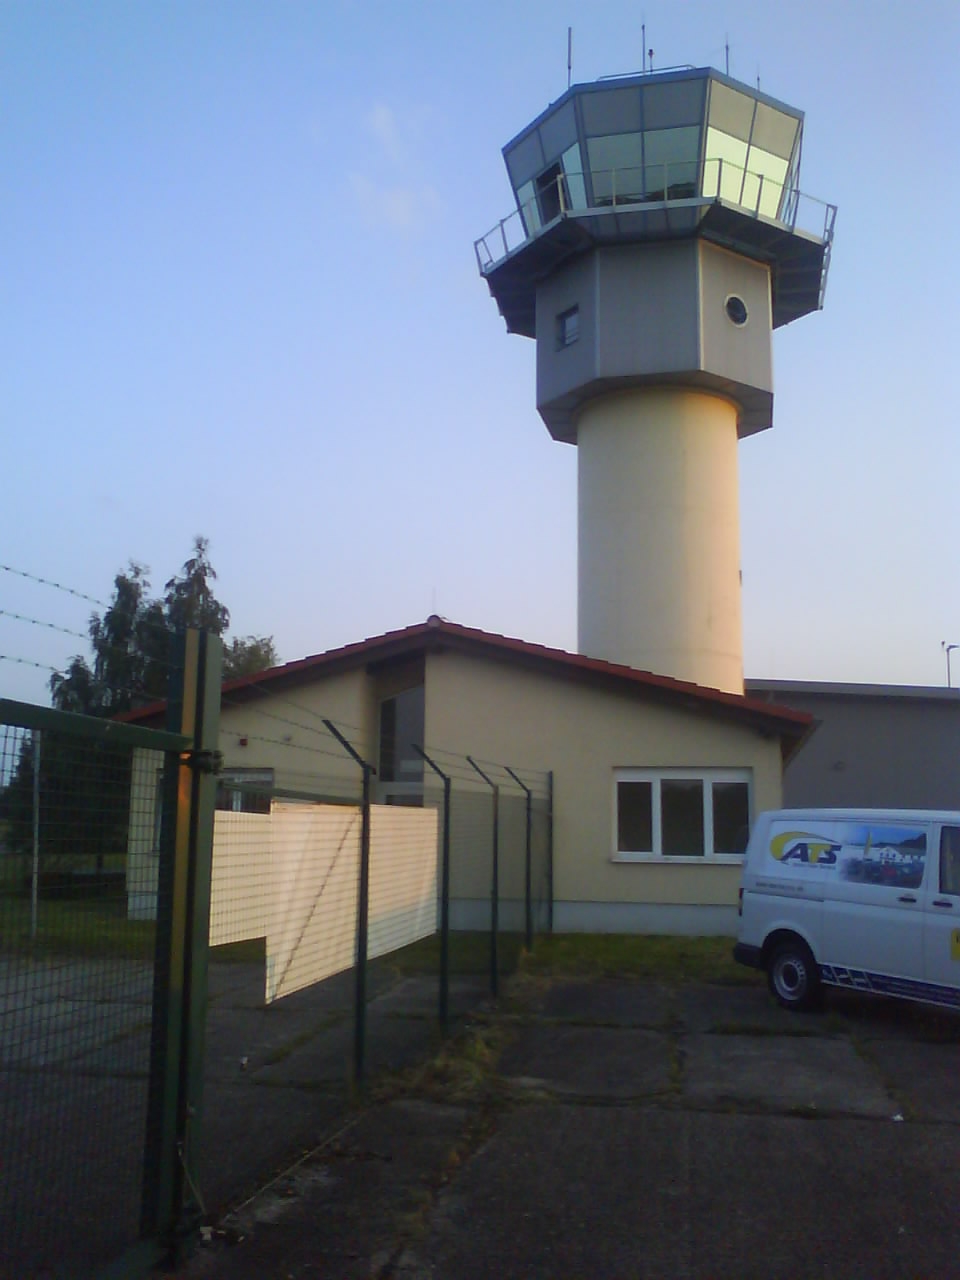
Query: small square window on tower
[568,327]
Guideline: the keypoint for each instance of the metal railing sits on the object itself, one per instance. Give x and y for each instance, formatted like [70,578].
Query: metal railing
[680,183]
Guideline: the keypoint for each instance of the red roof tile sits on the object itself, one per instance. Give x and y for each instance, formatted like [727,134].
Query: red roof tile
[437,633]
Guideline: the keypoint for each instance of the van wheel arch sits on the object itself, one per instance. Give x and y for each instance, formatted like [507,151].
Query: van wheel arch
[793,974]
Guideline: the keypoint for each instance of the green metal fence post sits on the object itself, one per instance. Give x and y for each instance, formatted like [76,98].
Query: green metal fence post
[494,883]
[527,870]
[550,851]
[171,1200]
[205,761]
[363,909]
[444,1013]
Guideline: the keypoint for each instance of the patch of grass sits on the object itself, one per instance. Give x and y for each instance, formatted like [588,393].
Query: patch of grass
[469,954]
[94,927]
[612,955]
[464,1069]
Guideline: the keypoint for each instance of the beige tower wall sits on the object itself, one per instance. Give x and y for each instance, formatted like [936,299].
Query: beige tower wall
[659,535]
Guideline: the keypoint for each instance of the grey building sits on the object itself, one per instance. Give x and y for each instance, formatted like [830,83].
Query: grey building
[873,745]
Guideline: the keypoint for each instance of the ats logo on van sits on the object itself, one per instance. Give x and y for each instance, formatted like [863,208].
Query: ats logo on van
[801,846]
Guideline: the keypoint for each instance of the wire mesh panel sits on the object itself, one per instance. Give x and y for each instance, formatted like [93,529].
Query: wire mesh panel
[76,995]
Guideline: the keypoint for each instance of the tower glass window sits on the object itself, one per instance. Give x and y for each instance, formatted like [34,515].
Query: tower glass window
[616,167]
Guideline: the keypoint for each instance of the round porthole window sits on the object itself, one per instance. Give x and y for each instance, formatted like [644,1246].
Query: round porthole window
[736,309]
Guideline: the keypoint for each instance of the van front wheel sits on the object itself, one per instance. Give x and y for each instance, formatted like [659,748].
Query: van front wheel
[793,976]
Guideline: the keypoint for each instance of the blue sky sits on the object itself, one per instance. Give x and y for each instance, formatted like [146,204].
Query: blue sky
[240,299]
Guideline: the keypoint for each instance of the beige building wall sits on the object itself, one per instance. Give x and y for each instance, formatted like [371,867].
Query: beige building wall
[500,712]
[284,732]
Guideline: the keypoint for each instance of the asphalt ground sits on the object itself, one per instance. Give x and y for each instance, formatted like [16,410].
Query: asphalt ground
[621,1129]
[74,1062]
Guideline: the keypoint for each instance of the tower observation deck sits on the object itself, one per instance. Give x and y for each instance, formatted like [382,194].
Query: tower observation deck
[659,236]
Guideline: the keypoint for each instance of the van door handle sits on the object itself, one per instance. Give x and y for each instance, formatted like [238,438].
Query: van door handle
[906,897]
[942,902]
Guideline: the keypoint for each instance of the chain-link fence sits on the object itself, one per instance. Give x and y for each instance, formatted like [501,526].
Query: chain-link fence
[77,979]
[197,974]
[330,962]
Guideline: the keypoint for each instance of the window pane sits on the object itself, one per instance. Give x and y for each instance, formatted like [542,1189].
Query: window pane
[773,170]
[245,790]
[730,111]
[950,860]
[681,817]
[667,105]
[731,817]
[671,162]
[387,765]
[635,817]
[558,131]
[726,159]
[615,164]
[409,729]
[527,200]
[573,174]
[568,327]
[611,111]
[524,159]
[774,131]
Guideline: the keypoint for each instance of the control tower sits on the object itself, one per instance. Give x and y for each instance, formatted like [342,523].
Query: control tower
[659,238]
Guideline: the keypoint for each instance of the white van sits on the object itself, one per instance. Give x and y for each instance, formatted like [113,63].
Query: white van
[867,899]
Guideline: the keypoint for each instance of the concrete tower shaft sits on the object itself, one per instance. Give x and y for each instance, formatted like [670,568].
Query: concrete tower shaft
[659,544]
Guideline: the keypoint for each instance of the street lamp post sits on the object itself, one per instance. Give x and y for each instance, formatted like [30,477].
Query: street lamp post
[946,649]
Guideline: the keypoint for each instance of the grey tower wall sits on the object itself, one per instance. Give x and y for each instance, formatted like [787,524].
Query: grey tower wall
[655,313]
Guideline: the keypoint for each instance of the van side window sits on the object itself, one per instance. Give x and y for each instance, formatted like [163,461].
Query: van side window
[950,860]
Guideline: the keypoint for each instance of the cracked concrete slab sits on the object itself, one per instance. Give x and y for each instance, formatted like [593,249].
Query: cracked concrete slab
[783,1072]
[596,1062]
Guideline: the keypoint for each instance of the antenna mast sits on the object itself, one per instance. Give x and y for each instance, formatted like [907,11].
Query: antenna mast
[643,41]
[726,48]
[569,54]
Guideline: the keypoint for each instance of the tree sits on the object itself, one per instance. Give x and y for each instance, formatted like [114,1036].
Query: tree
[85,789]
[131,641]
[247,656]
[190,601]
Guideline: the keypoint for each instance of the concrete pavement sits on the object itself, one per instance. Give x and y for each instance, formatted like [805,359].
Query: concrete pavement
[636,1129]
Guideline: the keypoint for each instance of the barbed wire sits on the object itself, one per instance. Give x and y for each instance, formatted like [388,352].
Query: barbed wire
[48,582]
[39,622]
[28,662]
[452,762]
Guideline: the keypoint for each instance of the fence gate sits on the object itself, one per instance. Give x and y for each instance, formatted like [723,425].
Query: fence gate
[98,1008]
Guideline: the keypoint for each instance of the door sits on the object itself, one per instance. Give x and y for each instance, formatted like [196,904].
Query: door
[941,927]
[874,914]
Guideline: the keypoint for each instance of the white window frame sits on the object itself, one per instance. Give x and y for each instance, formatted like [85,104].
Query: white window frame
[655,777]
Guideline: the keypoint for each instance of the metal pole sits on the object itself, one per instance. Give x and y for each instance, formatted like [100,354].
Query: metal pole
[35,874]
[363,909]
[947,649]
[528,917]
[495,882]
[363,924]
[171,1206]
[444,894]
[205,763]
[550,851]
